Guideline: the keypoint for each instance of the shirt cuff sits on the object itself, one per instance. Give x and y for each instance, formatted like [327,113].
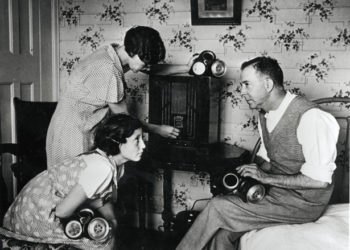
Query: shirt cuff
[322,173]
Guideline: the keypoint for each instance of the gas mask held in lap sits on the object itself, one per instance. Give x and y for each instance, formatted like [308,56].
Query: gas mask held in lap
[84,223]
[248,189]
[208,65]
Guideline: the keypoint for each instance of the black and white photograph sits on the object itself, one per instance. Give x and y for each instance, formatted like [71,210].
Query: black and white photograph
[174,124]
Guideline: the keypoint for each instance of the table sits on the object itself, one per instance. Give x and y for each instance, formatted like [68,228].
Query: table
[212,160]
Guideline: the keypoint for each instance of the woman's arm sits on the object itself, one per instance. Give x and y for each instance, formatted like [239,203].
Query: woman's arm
[165,131]
[172,69]
[107,211]
[73,200]
[77,197]
[169,69]
[118,108]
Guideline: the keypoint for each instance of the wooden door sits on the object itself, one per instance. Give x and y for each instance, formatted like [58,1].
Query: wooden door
[27,64]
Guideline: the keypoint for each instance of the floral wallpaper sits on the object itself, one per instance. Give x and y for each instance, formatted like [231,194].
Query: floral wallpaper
[160,10]
[290,38]
[91,37]
[234,36]
[317,66]
[183,37]
[263,9]
[113,11]
[322,8]
[310,39]
[69,13]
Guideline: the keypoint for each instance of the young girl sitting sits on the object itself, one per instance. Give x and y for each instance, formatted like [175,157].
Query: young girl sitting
[88,179]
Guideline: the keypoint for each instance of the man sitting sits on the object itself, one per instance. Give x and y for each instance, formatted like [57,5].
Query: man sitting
[297,157]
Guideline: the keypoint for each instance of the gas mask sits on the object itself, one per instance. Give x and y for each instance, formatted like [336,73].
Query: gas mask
[207,64]
[84,223]
[248,189]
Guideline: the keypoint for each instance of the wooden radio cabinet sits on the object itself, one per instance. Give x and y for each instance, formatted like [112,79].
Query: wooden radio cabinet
[191,104]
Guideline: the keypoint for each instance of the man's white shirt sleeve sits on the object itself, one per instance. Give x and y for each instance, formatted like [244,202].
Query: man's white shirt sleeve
[318,134]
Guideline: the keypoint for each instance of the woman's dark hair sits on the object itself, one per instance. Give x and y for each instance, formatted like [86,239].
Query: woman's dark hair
[146,43]
[267,66]
[113,130]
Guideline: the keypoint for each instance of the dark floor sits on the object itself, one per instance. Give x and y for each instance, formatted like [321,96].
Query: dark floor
[146,239]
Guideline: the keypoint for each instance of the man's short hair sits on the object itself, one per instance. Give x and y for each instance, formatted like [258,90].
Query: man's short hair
[146,43]
[266,66]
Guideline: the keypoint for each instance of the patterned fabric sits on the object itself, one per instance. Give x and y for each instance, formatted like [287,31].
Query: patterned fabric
[96,81]
[13,244]
[31,217]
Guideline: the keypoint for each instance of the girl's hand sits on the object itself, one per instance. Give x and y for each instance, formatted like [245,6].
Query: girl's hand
[95,204]
[114,223]
[71,202]
[167,131]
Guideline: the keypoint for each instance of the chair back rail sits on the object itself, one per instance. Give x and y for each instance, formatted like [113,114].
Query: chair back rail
[32,120]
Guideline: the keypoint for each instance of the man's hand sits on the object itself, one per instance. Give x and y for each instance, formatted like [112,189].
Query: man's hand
[167,131]
[253,171]
[294,181]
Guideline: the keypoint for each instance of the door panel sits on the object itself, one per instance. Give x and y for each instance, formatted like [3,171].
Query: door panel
[27,45]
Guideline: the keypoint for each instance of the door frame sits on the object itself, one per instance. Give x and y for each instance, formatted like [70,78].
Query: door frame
[49,81]
[55,51]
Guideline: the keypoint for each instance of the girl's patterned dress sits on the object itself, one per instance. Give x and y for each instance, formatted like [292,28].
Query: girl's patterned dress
[31,217]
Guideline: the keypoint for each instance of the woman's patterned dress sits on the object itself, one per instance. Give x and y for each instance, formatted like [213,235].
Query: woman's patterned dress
[97,80]
[31,216]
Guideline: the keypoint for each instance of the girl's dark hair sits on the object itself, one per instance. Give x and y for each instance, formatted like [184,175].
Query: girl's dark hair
[146,43]
[113,130]
[267,66]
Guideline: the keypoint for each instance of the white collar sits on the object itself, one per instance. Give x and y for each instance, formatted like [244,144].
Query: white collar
[274,116]
[282,107]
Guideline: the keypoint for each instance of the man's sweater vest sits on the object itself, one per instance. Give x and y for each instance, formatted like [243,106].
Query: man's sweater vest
[284,150]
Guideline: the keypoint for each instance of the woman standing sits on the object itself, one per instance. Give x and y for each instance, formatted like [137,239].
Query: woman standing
[96,88]
[86,180]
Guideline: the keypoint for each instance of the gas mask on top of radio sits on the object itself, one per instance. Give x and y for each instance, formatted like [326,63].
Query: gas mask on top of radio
[207,64]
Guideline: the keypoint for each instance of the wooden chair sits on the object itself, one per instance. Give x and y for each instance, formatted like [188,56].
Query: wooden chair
[32,121]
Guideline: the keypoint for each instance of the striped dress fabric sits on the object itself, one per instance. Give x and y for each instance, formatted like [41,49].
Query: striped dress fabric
[30,217]
[97,80]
